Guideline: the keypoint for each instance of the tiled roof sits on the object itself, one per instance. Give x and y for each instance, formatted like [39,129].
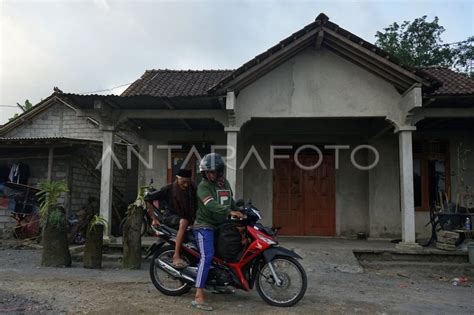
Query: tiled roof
[188,83]
[452,83]
[172,83]
[182,83]
[321,20]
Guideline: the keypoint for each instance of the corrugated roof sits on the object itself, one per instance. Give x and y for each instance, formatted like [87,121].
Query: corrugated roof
[172,83]
[45,140]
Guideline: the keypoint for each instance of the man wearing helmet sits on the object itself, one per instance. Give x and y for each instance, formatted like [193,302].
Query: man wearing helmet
[215,204]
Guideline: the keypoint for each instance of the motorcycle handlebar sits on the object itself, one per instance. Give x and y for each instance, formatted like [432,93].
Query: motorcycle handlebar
[235,218]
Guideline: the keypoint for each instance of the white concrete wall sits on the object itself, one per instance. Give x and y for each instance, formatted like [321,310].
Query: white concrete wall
[352,214]
[318,84]
[158,171]
[384,190]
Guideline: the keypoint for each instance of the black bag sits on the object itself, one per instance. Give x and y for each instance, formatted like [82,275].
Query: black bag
[229,242]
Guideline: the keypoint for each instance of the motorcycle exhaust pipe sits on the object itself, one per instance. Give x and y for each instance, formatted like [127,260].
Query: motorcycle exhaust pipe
[175,272]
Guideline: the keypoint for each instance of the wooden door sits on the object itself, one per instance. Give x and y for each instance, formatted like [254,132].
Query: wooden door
[304,200]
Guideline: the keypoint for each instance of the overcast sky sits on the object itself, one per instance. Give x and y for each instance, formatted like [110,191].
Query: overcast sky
[84,46]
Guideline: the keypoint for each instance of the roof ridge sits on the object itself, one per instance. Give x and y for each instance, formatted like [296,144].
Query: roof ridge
[188,70]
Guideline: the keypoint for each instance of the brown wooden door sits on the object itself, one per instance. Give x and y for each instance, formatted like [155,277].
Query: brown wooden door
[304,201]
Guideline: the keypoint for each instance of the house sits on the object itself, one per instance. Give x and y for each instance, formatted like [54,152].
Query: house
[385,137]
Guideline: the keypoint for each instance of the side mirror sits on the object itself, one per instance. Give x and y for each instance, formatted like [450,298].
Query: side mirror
[239,203]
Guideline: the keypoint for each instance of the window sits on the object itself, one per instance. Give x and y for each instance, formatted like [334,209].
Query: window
[178,158]
[431,178]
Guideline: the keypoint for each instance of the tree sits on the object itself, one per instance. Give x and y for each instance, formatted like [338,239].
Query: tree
[419,43]
[24,108]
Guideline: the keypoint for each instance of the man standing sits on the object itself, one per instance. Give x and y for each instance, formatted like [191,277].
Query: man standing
[215,204]
[179,198]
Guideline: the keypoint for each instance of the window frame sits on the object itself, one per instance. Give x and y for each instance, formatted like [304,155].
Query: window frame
[192,165]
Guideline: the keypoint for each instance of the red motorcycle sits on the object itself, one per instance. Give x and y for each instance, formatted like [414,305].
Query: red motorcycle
[279,277]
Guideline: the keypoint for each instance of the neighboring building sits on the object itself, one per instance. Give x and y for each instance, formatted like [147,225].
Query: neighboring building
[322,86]
[55,144]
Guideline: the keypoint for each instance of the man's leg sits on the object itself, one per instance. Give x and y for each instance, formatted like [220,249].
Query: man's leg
[205,241]
[183,224]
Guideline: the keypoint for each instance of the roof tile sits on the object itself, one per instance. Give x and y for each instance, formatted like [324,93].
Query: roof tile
[171,83]
[452,82]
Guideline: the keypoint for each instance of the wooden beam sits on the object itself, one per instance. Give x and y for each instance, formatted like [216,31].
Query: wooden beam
[50,163]
[319,40]
[375,56]
[382,132]
[218,114]
[182,121]
[422,113]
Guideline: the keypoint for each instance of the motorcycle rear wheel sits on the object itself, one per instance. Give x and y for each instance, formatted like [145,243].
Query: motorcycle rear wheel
[293,282]
[164,282]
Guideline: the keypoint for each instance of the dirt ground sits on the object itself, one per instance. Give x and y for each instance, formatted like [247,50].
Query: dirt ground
[27,288]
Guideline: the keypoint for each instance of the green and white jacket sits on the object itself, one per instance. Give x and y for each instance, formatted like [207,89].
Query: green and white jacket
[214,204]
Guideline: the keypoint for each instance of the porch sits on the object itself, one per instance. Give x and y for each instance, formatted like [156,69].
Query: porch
[211,121]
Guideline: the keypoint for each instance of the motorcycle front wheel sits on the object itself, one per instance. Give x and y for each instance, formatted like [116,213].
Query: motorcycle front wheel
[163,281]
[293,282]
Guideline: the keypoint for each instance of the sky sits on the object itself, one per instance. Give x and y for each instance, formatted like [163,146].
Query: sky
[86,46]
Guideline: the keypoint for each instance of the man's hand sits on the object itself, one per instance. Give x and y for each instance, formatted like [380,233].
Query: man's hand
[237,214]
[155,222]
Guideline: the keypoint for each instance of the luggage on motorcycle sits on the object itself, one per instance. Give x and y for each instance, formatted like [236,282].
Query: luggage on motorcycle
[229,241]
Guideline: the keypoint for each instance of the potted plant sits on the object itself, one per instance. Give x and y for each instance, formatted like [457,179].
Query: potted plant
[53,221]
[94,241]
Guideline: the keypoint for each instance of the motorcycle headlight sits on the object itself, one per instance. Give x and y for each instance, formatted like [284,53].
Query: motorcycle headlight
[267,240]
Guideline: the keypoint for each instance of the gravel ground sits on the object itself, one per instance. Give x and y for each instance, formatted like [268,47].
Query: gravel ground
[27,288]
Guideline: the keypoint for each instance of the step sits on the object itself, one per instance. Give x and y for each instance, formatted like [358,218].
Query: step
[422,255]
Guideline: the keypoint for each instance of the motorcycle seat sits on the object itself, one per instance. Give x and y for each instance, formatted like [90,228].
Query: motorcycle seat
[169,229]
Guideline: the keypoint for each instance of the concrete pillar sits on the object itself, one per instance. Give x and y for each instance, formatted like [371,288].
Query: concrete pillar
[407,202]
[239,183]
[107,177]
[231,170]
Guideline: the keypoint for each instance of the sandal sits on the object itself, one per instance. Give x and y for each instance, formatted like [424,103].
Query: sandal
[202,306]
[180,265]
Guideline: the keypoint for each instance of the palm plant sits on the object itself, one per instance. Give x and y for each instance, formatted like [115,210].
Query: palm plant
[48,198]
[53,219]
[94,241]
